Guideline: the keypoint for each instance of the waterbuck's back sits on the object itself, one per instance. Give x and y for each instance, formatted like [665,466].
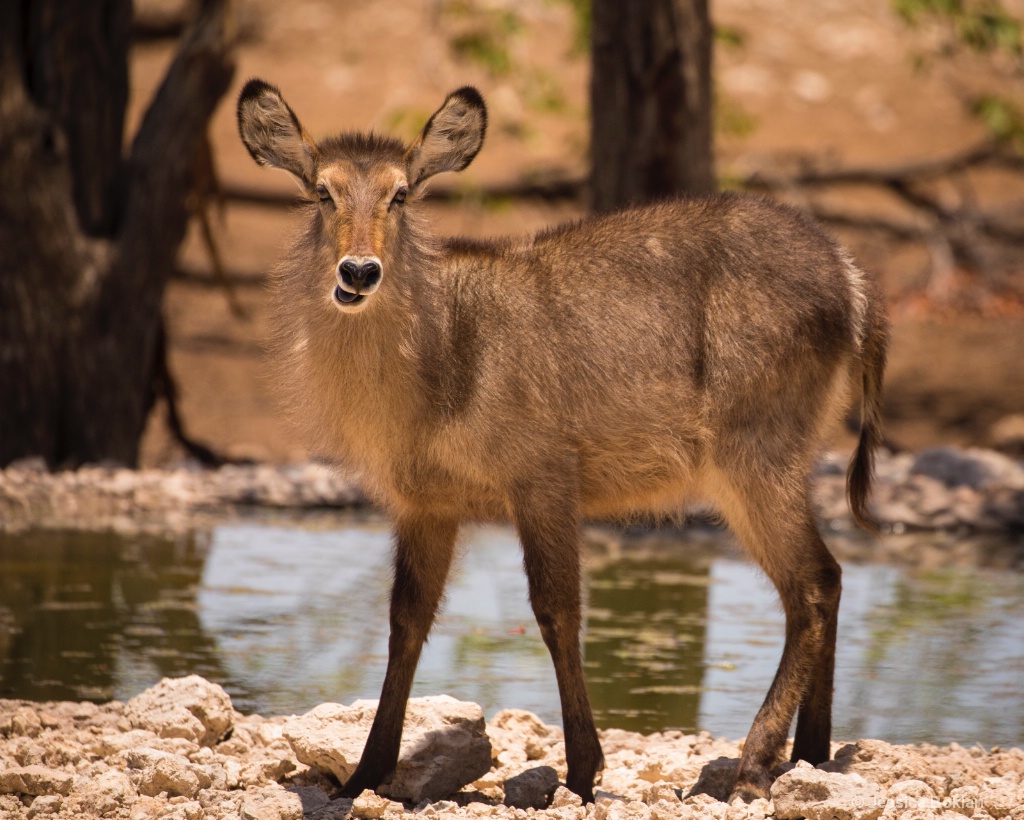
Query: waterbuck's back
[642,344]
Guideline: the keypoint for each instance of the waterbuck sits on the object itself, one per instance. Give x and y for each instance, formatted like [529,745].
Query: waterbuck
[694,350]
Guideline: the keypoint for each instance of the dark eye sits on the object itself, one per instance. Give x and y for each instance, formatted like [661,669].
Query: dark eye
[400,196]
[322,192]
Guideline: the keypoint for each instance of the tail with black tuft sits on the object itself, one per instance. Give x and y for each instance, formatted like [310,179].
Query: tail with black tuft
[874,345]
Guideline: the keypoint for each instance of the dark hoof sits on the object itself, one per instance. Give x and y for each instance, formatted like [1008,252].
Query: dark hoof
[586,793]
[812,753]
[588,798]
[752,785]
[356,785]
[581,776]
[350,791]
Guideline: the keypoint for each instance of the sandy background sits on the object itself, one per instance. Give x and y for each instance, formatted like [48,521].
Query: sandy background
[835,84]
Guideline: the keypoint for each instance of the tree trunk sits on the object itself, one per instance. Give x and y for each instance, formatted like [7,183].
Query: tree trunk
[651,101]
[88,239]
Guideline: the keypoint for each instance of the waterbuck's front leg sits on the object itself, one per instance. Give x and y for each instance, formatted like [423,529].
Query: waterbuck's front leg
[423,556]
[549,530]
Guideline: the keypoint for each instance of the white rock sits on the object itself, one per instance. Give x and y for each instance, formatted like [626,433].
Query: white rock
[44,805]
[272,803]
[330,737]
[755,810]
[190,708]
[25,722]
[154,772]
[442,808]
[963,800]
[371,806]
[910,790]
[878,762]
[102,796]
[563,798]
[1001,797]
[705,806]
[818,795]
[518,736]
[811,86]
[109,745]
[671,810]
[444,744]
[659,791]
[35,780]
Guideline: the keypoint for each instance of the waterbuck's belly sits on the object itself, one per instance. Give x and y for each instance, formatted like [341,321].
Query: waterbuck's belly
[606,489]
[656,474]
[644,460]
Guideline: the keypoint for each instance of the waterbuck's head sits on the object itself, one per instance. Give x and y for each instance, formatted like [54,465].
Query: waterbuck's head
[361,184]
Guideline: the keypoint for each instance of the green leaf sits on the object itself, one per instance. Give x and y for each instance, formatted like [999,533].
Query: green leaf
[483,47]
[1002,117]
[730,36]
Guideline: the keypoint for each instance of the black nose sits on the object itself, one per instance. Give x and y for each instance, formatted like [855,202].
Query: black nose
[362,275]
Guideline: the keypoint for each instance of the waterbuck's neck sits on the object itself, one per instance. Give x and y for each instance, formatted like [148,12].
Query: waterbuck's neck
[358,378]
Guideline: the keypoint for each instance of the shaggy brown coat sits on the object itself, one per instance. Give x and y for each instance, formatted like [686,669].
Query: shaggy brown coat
[691,351]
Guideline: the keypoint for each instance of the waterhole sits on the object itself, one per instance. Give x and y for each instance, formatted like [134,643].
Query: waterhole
[685,634]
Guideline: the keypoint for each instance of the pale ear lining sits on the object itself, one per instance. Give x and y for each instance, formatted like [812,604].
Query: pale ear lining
[272,133]
[451,138]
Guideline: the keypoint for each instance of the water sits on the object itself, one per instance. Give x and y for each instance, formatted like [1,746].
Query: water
[686,636]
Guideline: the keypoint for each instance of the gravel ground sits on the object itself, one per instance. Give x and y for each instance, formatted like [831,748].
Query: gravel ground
[180,751]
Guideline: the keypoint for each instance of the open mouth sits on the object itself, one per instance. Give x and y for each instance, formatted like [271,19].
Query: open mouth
[343,297]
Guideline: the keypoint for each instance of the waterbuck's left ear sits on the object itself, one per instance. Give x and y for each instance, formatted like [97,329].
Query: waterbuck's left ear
[451,137]
[273,134]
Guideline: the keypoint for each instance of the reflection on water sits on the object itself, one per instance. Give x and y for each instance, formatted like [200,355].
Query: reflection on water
[687,637]
[947,644]
[95,616]
[302,617]
[645,641]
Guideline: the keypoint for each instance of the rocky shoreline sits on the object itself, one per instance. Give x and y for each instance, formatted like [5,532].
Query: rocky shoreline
[179,751]
[942,488]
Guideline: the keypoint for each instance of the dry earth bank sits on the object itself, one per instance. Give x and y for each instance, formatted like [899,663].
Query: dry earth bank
[941,488]
[179,750]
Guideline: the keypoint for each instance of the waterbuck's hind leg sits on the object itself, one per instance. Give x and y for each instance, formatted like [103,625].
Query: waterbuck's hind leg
[781,535]
[423,555]
[814,720]
[549,528]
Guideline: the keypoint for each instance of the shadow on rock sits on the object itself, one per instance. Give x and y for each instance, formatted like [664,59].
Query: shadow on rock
[716,779]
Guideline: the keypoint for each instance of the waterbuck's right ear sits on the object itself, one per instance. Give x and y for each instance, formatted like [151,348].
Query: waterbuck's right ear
[273,134]
[451,137]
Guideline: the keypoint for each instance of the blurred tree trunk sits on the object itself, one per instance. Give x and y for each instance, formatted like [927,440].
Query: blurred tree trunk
[88,236]
[651,101]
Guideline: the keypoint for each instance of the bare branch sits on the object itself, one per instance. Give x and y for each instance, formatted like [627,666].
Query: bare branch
[962,235]
[984,154]
[162,155]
